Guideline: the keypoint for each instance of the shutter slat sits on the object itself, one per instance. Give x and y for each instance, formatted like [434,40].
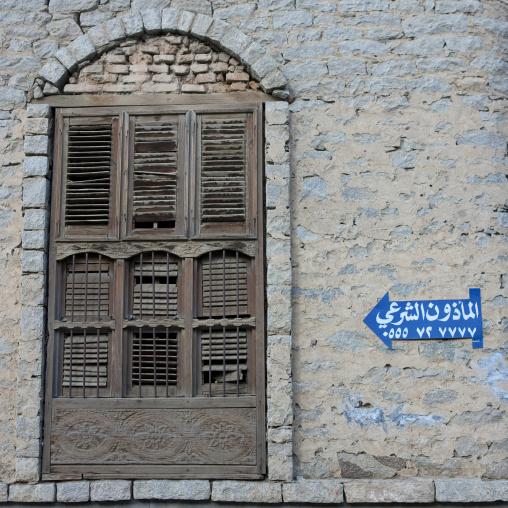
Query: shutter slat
[155,168]
[223,166]
[89,160]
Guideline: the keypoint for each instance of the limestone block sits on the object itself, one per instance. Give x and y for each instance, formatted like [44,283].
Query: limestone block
[38,111]
[471,491]
[29,428]
[110,490]
[10,98]
[99,36]
[28,448]
[35,126]
[50,89]
[35,191]
[437,24]
[35,166]
[33,261]
[276,150]
[389,491]
[73,492]
[202,6]
[133,24]
[235,41]
[54,72]
[277,113]
[280,462]
[33,289]
[280,435]
[263,67]
[172,489]
[81,49]
[246,492]
[291,19]
[32,322]
[217,31]
[152,20]
[3,492]
[185,22]
[252,53]
[66,7]
[115,30]
[201,25]
[279,310]
[240,10]
[41,493]
[33,239]
[272,81]
[28,470]
[169,19]
[313,491]
[36,145]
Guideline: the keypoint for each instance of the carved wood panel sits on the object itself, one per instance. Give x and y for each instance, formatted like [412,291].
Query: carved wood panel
[154,436]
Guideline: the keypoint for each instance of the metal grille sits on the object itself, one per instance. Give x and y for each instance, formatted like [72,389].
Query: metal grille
[155,286]
[154,362]
[87,287]
[85,363]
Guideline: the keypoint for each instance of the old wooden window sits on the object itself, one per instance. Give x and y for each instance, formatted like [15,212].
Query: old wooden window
[155,362]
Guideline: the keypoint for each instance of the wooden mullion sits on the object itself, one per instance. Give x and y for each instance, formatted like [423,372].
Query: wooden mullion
[124,181]
[115,364]
[187,335]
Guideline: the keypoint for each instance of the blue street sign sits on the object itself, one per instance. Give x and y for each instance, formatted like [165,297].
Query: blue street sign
[428,319]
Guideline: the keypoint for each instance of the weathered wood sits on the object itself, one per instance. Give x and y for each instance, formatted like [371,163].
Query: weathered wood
[128,249]
[206,323]
[65,101]
[154,436]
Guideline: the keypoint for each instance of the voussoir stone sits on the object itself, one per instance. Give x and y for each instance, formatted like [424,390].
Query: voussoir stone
[389,491]
[133,25]
[73,492]
[54,72]
[471,491]
[110,490]
[194,490]
[81,49]
[246,492]
[201,25]
[40,493]
[313,491]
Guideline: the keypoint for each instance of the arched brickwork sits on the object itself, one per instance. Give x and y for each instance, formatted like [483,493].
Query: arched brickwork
[54,75]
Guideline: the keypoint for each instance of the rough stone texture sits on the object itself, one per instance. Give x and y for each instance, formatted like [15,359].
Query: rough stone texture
[42,493]
[3,492]
[172,489]
[73,492]
[246,492]
[471,491]
[110,490]
[308,491]
[386,491]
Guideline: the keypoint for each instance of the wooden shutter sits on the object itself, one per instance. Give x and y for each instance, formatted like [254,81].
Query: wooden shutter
[90,161]
[156,296]
[223,164]
[157,172]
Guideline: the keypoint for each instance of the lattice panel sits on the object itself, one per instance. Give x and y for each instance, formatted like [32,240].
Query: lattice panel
[224,287]
[85,363]
[154,362]
[225,369]
[155,173]
[223,170]
[155,286]
[88,175]
[87,287]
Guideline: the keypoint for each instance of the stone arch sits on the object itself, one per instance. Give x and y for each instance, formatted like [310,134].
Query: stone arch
[106,36]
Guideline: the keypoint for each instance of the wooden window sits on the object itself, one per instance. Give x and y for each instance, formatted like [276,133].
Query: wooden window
[155,362]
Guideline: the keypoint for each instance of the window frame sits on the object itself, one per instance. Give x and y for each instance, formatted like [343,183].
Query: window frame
[252,240]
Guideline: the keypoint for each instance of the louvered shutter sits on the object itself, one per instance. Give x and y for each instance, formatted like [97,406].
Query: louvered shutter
[156,152]
[156,285]
[90,160]
[223,164]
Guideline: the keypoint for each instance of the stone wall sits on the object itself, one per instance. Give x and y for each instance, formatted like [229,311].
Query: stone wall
[397,131]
